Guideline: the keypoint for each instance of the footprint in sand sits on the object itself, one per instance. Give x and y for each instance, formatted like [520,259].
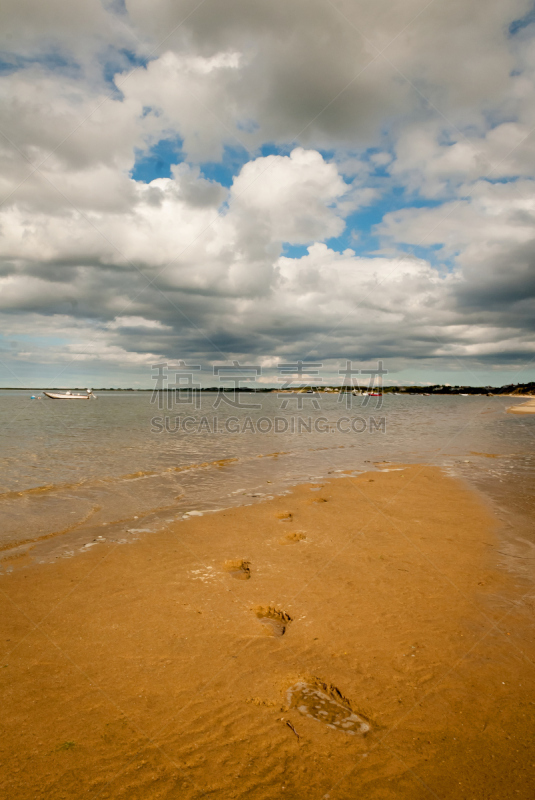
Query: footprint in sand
[292,538]
[239,569]
[326,704]
[274,620]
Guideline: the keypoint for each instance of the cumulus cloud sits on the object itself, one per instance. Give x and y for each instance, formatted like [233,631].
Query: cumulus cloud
[490,233]
[401,128]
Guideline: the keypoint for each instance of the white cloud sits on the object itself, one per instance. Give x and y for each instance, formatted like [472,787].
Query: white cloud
[491,220]
[173,231]
[291,196]
[184,259]
[137,322]
[435,167]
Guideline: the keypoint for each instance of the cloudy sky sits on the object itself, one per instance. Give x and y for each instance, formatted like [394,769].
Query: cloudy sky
[266,181]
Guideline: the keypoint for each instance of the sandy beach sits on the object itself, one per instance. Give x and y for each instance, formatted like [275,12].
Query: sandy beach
[352,638]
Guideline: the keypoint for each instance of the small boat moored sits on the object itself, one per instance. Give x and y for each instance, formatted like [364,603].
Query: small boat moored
[70,395]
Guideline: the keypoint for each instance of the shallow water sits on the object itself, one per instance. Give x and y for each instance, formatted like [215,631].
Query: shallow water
[121,464]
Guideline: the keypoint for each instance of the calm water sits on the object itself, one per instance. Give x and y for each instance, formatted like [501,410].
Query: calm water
[92,468]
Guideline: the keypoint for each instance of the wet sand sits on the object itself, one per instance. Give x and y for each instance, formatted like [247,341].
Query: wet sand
[354,638]
[523,408]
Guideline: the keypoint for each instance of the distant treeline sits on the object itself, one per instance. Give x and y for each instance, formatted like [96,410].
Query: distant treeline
[516,388]
[512,388]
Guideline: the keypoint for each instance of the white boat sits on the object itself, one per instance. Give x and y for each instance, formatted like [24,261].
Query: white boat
[70,395]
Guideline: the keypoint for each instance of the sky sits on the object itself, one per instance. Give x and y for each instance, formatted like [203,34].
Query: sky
[266,182]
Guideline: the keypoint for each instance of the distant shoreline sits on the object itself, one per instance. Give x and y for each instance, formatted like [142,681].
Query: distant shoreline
[521,391]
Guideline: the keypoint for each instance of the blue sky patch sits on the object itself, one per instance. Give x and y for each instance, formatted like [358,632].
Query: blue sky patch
[116,6]
[294,250]
[270,149]
[431,253]
[54,62]
[225,171]
[363,222]
[157,162]
[508,179]
[118,61]
[518,24]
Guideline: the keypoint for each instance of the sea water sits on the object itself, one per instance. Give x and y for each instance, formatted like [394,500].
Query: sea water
[73,471]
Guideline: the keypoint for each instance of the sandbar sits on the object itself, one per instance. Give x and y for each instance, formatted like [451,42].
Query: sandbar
[523,408]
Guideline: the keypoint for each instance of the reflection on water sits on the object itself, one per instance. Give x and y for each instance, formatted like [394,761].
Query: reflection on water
[71,467]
